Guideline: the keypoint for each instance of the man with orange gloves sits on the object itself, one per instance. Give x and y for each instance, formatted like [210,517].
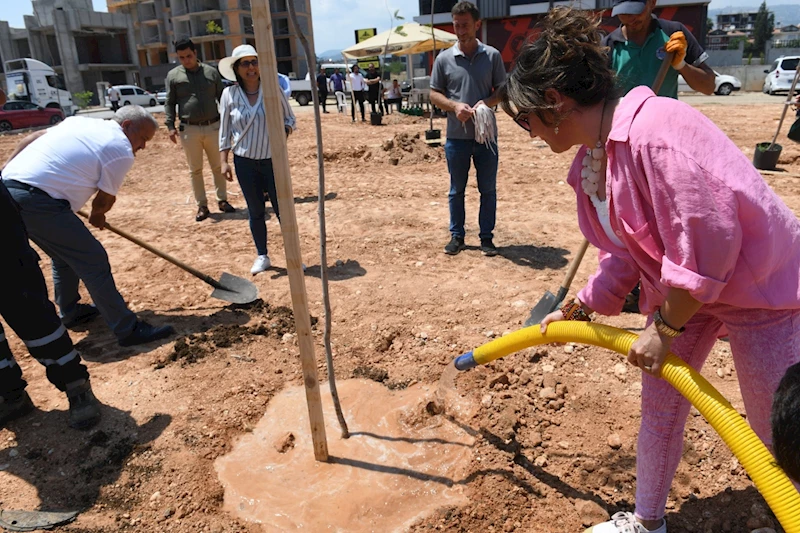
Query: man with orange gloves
[641,42]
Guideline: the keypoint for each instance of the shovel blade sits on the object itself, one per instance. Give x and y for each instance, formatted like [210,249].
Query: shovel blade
[235,290]
[546,305]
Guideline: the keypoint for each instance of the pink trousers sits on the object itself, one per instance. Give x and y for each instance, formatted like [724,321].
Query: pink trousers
[764,343]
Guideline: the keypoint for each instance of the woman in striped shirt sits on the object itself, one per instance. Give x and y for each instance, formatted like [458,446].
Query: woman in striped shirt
[243,131]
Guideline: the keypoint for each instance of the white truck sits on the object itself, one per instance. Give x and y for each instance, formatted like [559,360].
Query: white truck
[301,89]
[36,82]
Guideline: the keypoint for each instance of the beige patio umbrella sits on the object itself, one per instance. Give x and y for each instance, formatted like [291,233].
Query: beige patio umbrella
[413,38]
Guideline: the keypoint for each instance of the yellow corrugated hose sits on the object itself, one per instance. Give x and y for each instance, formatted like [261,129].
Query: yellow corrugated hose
[754,456]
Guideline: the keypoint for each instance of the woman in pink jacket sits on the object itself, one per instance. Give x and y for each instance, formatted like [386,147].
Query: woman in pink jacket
[672,203]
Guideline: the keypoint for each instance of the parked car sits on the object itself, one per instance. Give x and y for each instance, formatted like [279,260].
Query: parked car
[20,114]
[161,95]
[723,84]
[131,94]
[780,74]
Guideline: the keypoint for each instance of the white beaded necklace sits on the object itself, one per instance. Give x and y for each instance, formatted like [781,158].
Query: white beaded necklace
[593,162]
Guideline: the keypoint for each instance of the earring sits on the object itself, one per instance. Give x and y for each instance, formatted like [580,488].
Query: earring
[556,130]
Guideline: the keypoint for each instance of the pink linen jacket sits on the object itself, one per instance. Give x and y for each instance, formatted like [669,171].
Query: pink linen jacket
[692,212]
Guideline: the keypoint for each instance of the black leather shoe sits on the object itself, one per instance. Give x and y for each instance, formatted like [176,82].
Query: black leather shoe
[83,314]
[455,245]
[202,213]
[225,207]
[144,332]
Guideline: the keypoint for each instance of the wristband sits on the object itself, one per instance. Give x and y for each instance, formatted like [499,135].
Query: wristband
[680,65]
[664,328]
[574,311]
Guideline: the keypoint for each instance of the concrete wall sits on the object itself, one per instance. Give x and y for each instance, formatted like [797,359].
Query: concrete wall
[774,53]
[725,58]
[751,76]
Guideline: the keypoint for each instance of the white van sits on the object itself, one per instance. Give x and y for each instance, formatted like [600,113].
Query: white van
[131,94]
[36,82]
[301,89]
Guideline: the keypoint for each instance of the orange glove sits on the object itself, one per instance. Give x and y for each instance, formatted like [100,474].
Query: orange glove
[677,45]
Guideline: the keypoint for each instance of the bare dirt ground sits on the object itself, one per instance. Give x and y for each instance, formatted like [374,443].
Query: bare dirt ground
[401,311]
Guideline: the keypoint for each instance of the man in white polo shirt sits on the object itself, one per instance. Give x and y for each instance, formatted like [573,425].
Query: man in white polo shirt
[52,174]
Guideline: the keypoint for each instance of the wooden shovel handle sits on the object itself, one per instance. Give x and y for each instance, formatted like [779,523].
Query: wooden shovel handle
[573,266]
[159,253]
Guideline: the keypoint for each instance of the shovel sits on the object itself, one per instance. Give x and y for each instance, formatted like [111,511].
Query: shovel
[229,288]
[551,302]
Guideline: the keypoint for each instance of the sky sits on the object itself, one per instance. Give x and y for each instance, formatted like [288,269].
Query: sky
[334,20]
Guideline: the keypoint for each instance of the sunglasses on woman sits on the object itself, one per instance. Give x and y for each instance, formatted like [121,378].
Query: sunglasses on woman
[521,119]
[247,62]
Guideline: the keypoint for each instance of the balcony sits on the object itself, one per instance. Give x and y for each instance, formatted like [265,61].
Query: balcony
[120,3]
[147,12]
[182,8]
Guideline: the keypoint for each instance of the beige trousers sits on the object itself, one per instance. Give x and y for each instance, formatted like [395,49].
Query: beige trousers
[196,140]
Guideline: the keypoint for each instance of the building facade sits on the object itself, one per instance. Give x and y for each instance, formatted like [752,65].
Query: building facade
[215,26]
[739,22]
[82,45]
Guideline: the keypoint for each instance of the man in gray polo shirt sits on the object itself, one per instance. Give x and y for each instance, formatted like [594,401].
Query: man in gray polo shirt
[465,77]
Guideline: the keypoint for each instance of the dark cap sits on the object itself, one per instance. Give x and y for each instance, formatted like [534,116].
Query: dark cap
[628,7]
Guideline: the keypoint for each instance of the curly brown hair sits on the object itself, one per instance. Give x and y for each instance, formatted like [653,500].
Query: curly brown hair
[566,55]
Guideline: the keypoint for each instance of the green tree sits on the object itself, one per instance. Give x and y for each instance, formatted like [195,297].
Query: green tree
[213,28]
[709,24]
[83,98]
[762,29]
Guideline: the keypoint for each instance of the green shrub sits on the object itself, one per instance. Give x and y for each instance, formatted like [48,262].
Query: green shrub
[82,99]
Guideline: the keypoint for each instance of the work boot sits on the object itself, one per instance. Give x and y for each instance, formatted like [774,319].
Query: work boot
[13,408]
[83,314]
[455,245]
[84,408]
[488,248]
[144,332]
[202,213]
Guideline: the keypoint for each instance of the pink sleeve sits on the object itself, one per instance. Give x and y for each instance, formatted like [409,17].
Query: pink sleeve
[606,289]
[696,222]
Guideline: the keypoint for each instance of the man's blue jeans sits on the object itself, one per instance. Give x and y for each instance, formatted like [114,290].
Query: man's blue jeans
[257,177]
[459,153]
[76,256]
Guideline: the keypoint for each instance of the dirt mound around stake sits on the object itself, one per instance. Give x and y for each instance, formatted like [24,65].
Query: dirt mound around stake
[269,321]
[402,149]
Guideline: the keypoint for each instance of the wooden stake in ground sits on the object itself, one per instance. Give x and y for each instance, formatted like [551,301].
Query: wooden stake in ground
[262,22]
[323,238]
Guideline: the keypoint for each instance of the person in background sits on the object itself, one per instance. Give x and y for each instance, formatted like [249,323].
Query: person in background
[393,96]
[465,77]
[244,132]
[338,88]
[113,97]
[373,78]
[194,89]
[640,44]
[357,88]
[672,203]
[51,174]
[322,88]
[285,84]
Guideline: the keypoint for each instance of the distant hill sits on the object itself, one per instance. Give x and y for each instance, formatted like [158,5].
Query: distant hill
[785,14]
[331,55]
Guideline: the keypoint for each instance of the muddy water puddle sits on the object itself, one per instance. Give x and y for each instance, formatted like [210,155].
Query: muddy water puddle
[403,460]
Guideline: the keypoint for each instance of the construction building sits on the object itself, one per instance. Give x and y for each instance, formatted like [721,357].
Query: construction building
[215,26]
[82,45]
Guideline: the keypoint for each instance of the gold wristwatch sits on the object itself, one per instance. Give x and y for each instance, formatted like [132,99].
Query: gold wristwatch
[664,328]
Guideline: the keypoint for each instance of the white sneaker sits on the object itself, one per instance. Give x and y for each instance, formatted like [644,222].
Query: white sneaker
[625,523]
[261,263]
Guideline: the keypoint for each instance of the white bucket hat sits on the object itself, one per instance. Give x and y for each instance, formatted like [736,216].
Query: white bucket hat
[226,64]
